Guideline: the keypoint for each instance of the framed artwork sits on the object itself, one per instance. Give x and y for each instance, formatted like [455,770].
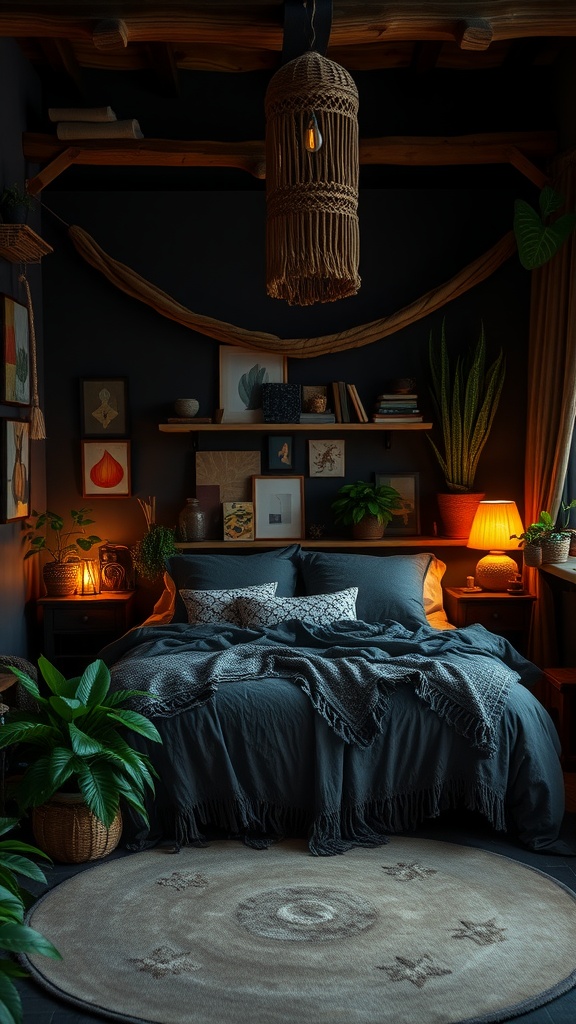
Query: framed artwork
[15,494]
[278,507]
[15,352]
[326,458]
[105,469]
[104,405]
[405,520]
[238,520]
[242,374]
[280,452]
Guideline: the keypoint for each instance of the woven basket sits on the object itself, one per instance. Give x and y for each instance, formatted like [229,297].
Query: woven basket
[369,528]
[69,833]
[556,550]
[60,578]
[532,555]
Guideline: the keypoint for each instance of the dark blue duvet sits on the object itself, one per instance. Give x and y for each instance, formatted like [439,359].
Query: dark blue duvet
[344,733]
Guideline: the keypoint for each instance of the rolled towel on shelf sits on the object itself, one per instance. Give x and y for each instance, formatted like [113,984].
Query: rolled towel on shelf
[81,114]
[129,129]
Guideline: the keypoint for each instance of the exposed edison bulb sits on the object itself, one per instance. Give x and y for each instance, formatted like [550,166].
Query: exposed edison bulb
[312,136]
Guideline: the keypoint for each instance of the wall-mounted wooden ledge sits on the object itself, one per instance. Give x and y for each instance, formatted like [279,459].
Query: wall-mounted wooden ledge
[519,149]
[336,543]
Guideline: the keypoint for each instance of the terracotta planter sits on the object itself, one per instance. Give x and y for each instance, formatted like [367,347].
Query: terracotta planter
[456,514]
[60,578]
[69,833]
[368,528]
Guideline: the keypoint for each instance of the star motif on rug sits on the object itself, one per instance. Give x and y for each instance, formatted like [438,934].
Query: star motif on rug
[163,961]
[183,880]
[483,933]
[406,872]
[416,971]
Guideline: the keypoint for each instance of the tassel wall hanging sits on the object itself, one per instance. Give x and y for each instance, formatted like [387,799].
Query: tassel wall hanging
[312,168]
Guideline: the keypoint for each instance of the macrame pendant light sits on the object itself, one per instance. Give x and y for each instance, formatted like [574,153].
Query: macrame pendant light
[312,166]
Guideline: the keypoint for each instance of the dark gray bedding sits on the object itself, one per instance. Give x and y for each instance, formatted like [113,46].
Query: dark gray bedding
[344,733]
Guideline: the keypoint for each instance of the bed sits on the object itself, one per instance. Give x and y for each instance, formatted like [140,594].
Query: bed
[325,694]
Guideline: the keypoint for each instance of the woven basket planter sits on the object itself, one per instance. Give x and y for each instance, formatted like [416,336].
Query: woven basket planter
[532,555]
[60,578]
[69,833]
[369,528]
[556,550]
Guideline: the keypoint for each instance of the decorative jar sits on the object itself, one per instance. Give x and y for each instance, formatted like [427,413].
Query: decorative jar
[191,522]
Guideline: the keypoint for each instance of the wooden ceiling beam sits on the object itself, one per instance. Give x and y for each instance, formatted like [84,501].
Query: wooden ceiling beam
[110,34]
[418,151]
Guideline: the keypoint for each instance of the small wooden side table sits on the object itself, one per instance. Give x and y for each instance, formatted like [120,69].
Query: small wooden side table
[502,613]
[560,701]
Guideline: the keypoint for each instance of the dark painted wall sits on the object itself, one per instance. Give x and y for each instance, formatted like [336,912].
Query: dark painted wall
[20,103]
[207,250]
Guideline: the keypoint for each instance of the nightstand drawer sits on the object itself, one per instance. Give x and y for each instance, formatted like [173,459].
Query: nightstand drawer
[85,618]
[495,615]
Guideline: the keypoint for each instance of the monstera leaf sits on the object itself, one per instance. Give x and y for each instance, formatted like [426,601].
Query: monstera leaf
[537,240]
[250,386]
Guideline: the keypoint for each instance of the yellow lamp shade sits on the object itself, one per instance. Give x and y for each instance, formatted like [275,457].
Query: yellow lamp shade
[493,528]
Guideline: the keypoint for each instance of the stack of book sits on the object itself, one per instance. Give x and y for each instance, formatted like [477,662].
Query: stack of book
[317,417]
[392,408]
[347,403]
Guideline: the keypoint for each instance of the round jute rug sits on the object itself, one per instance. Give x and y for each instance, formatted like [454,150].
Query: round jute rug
[414,932]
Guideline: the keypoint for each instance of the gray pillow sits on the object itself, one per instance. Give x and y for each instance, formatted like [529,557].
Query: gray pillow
[220,605]
[389,586]
[228,572]
[321,609]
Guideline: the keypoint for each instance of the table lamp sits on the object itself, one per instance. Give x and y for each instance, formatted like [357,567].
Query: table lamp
[492,529]
[89,577]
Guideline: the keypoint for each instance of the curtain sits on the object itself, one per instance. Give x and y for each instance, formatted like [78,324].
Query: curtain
[551,398]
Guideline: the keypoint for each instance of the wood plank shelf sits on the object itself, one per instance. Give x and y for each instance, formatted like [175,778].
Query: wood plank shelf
[326,544]
[284,428]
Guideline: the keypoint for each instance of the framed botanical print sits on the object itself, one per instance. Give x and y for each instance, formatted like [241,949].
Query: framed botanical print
[278,507]
[242,374]
[105,469]
[15,494]
[406,519]
[326,458]
[104,406]
[15,352]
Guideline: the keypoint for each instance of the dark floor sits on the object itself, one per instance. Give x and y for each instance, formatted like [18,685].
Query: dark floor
[40,1008]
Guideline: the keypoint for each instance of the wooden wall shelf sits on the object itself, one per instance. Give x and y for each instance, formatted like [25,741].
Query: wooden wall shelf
[332,544]
[287,428]
[20,244]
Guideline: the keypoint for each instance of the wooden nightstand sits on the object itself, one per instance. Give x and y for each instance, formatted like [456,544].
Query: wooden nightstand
[560,700]
[501,613]
[76,628]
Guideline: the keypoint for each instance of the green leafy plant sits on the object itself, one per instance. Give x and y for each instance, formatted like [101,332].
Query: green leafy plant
[63,544]
[465,403]
[15,936]
[539,238]
[358,500]
[12,197]
[77,733]
[151,552]
[546,528]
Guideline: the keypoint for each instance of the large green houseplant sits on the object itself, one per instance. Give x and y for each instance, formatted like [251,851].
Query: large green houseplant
[15,936]
[366,507]
[75,742]
[65,542]
[465,399]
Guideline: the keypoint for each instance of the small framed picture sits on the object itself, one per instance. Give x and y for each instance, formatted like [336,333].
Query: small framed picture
[104,405]
[280,452]
[242,374]
[278,507]
[15,352]
[238,520]
[326,458]
[15,494]
[406,519]
[105,469]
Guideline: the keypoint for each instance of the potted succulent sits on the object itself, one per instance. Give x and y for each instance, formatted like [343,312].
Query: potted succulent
[366,507]
[547,540]
[15,936]
[80,762]
[465,401]
[65,544]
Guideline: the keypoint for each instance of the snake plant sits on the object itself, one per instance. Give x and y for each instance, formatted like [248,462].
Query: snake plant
[465,403]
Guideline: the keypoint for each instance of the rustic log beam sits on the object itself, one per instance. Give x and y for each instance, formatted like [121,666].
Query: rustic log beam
[416,151]
[474,34]
[110,34]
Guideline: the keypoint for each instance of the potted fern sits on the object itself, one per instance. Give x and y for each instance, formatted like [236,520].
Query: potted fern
[366,507]
[465,400]
[80,763]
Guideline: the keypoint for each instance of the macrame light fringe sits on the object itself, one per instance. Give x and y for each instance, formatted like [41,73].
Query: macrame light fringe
[37,427]
[312,231]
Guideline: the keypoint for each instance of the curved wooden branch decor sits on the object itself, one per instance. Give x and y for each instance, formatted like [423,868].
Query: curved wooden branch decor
[132,284]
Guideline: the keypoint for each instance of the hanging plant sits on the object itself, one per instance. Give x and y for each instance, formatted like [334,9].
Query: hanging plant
[537,237]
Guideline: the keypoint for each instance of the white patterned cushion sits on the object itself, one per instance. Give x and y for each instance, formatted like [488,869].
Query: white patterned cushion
[320,609]
[220,605]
